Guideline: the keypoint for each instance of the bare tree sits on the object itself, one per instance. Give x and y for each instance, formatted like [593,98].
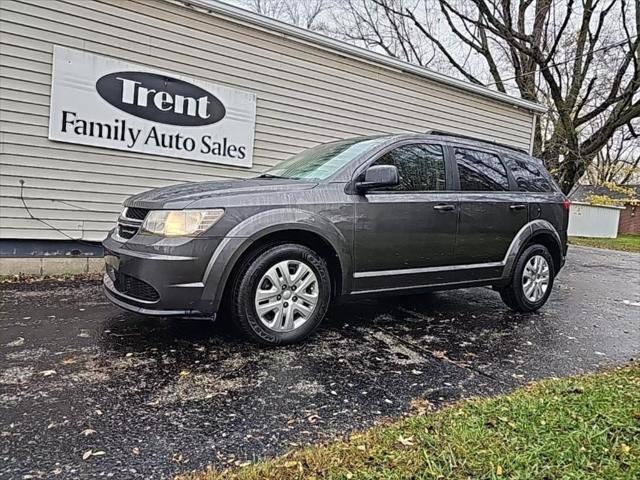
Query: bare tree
[301,13]
[268,8]
[582,60]
[363,22]
[618,162]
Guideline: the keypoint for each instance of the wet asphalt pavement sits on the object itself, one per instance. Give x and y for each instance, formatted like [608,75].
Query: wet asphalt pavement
[148,398]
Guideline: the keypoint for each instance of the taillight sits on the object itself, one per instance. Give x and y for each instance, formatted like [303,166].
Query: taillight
[566,204]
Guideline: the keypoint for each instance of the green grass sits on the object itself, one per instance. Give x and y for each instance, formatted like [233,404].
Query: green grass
[574,428]
[627,243]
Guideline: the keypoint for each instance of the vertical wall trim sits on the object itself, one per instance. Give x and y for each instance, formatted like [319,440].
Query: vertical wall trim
[534,119]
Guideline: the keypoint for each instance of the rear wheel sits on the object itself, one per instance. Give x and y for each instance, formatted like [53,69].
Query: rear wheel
[282,294]
[532,280]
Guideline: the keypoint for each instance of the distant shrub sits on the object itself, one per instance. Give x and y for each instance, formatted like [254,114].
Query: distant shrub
[630,197]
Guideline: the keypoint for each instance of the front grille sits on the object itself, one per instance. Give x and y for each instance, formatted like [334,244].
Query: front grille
[135,288]
[130,221]
[136,213]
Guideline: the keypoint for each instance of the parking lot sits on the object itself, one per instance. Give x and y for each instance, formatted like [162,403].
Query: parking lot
[89,390]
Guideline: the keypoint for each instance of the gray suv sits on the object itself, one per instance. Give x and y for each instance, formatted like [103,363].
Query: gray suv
[364,216]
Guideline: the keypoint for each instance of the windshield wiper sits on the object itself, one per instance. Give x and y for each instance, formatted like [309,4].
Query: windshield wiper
[268,175]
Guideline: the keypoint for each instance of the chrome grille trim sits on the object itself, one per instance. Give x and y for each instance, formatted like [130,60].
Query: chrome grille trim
[130,221]
[135,213]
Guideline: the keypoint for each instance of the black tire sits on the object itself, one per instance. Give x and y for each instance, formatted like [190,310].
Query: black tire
[243,309]
[513,295]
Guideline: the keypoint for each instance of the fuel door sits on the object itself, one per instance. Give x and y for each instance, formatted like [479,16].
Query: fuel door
[535,210]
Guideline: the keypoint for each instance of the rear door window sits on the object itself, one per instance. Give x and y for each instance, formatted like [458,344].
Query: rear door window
[528,176]
[421,167]
[480,171]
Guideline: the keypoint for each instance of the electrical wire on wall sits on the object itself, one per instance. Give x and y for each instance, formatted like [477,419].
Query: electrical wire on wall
[44,222]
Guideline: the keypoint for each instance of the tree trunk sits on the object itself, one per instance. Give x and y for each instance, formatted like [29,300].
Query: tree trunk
[571,170]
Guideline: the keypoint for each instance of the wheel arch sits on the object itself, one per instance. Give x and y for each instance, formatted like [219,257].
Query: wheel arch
[536,232]
[549,241]
[255,234]
[300,236]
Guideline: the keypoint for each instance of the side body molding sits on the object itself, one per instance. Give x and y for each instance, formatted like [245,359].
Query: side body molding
[521,238]
[252,229]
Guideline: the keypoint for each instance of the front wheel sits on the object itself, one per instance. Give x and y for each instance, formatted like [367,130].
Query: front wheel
[282,294]
[532,280]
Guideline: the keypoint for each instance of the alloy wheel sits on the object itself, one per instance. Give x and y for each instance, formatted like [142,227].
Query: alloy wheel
[535,278]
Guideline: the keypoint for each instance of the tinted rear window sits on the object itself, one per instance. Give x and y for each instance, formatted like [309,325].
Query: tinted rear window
[528,176]
[480,171]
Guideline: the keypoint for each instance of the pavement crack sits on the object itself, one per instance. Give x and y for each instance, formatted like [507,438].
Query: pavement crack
[442,358]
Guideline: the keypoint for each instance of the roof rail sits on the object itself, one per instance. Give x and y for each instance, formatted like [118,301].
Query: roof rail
[444,133]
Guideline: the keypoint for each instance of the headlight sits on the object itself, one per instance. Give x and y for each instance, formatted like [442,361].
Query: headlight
[180,223]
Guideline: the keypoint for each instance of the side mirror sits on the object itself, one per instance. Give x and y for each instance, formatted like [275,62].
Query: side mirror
[379,176]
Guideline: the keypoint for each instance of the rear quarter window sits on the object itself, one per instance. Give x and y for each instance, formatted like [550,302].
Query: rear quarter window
[529,177]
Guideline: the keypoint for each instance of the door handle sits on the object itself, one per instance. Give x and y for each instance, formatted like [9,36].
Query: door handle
[444,207]
[518,206]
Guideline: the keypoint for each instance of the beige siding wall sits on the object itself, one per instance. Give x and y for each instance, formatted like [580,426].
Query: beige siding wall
[306,95]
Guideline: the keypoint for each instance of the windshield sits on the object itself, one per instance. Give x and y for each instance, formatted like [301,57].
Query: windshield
[322,161]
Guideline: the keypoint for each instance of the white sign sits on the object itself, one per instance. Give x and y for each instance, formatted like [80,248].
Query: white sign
[104,102]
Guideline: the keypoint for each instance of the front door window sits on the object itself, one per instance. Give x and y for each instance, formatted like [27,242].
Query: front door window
[420,167]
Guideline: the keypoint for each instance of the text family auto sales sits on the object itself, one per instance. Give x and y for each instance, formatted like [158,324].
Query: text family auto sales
[155,136]
[133,93]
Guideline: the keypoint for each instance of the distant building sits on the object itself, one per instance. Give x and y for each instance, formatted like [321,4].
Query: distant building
[629,217]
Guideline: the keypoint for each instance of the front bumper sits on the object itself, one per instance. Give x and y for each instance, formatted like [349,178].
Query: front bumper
[129,303]
[158,279]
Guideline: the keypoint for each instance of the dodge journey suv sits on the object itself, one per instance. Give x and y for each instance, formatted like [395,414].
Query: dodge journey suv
[365,216]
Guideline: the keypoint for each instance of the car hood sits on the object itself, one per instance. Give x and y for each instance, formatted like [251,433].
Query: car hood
[182,195]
